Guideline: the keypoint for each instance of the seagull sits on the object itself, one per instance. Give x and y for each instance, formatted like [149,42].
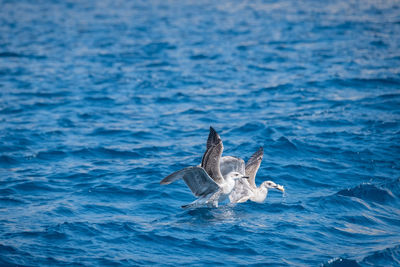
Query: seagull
[246,189]
[206,181]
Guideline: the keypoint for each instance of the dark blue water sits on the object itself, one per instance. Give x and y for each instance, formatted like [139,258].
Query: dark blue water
[99,100]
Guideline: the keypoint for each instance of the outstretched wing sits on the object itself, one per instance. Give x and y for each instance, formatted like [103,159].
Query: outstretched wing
[196,178]
[229,164]
[199,182]
[174,176]
[212,156]
[252,166]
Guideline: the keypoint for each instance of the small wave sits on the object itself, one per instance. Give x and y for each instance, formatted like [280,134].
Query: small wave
[368,192]
[79,228]
[194,111]
[110,132]
[7,201]
[244,46]
[106,190]
[105,153]
[66,123]
[262,68]
[157,64]
[157,47]
[166,100]
[283,207]
[302,169]
[50,94]
[7,161]
[126,228]
[393,187]
[386,257]
[36,187]
[87,177]
[338,202]
[220,245]
[279,87]
[284,144]
[19,55]
[202,56]
[331,123]
[64,211]
[11,110]
[340,262]
[146,135]
[250,127]
[100,100]
[7,192]
[49,234]
[10,54]
[357,82]
[97,208]
[51,155]
[7,256]
[363,219]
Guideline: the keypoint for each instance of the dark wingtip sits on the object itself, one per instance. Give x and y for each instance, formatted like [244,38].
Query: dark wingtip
[166,180]
[213,132]
[213,138]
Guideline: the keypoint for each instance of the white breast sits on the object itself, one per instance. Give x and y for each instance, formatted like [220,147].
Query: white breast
[228,186]
[259,194]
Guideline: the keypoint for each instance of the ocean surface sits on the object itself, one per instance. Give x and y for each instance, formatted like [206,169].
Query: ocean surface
[100,100]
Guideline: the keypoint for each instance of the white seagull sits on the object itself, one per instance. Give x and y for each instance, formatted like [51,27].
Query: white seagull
[246,189]
[206,181]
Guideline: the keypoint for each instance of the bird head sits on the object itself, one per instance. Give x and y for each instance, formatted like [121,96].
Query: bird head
[270,184]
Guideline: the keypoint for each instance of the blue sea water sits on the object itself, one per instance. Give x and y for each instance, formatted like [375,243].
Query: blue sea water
[99,100]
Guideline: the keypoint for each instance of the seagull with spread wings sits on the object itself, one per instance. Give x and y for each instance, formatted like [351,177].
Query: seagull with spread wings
[206,181]
[246,189]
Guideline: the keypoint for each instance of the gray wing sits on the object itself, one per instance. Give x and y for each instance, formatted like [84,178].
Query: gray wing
[252,166]
[241,192]
[212,156]
[229,164]
[199,182]
[174,176]
[196,178]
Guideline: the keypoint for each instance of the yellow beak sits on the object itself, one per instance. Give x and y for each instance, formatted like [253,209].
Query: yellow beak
[281,188]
